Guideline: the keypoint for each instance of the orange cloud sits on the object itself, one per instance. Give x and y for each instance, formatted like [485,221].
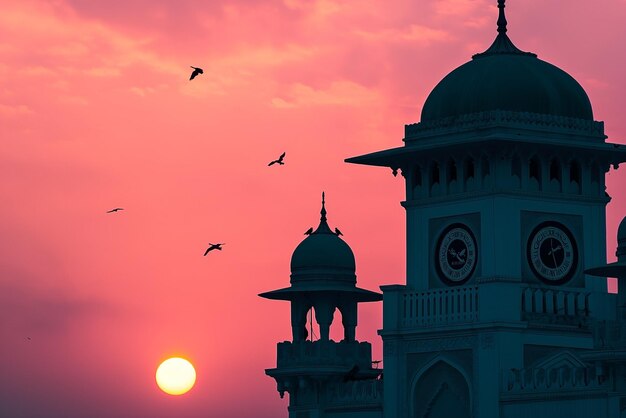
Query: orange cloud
[339,93]
[414,33]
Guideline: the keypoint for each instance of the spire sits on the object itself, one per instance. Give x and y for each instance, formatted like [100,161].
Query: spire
[323,227]
[502,44]
[501,18]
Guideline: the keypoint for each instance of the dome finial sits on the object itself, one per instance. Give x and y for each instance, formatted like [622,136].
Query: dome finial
[323,211]
[502,44]
[323,227]
[501,17]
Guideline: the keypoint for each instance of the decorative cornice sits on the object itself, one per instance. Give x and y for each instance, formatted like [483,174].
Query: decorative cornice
[506,118]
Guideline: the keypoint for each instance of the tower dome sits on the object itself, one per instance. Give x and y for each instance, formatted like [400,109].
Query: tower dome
[323,263]
[506,78]
[323,255]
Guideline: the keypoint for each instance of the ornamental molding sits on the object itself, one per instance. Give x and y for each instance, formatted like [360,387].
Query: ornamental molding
[508,118]
[441,344]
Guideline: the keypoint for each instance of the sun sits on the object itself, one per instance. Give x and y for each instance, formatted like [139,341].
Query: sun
[175,376]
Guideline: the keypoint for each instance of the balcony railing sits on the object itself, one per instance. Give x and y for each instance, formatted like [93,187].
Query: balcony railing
[555,306]
[496,301]
[441,306]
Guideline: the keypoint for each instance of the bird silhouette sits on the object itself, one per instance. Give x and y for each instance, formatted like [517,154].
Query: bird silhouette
[214,247]
[338,232]
[114,210]
[309,231]
[196,71]
[279,161]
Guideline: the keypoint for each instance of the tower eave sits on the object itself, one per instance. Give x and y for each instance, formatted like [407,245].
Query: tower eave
[355,293]
[401,156]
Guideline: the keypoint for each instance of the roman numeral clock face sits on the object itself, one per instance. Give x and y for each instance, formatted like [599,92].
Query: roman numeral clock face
[552,253]
[456,254]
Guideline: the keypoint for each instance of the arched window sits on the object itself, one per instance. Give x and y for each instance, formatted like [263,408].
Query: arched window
[574,177]
[595,178]
[434,179]
[441,391]
[451,175]
[555,175]
[534,174]
[336,328]
[468,174]
[516,171]
[417,182]
[486,171]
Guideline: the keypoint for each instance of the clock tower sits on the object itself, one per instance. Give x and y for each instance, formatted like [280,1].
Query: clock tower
[505,208]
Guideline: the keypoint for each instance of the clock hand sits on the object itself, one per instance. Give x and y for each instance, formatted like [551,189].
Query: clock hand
[552,253]
[558,247]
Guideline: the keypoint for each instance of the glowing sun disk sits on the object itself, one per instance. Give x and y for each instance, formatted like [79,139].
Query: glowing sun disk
[175,376]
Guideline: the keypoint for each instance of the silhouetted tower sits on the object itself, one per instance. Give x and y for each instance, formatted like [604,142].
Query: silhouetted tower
[324,374]
[505,206]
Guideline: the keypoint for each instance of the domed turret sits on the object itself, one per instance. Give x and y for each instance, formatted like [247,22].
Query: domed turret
[323,256]
[323,262]
[322,277]
[506,78]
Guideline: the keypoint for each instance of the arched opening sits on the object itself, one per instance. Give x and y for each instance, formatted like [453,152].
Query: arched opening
[417,181]
[486,171]
[516,171]
[336,328]
[451,174]
[574,177]
[595,178]
[434,180]
[555,175]
[441,392]
[469,176]
[534,174]
[312,327]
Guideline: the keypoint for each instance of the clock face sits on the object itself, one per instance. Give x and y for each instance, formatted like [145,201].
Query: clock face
[456,254]
[552,253]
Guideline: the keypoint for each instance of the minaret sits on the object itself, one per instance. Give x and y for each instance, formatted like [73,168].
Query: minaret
[325,374]
[505,208]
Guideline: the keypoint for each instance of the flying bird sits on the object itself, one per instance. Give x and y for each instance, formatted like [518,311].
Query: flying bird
[214,247]
[114,210]
[196,71]
[309,231]
[279,161]
[338,232]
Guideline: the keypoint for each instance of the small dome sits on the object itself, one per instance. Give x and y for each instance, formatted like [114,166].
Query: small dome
[323,259]
[323,264]
[323,251]
[506,78]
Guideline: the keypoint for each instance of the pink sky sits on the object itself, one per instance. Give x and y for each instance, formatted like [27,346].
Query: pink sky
[96,111]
